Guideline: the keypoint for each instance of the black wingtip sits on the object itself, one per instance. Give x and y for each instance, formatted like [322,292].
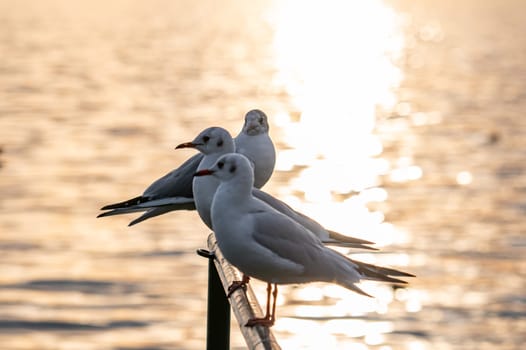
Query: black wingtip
[349,245]
[347,239]
[139,219]
[381,273]
[126,204]
[106,213]
[111,206]
[370,248]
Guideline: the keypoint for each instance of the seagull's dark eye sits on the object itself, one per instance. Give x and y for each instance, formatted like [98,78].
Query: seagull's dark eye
[220,165]
[233,168]
[206,138]
[220,143]
[260,120]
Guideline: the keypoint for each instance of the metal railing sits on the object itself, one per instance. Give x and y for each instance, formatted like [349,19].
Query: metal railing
[243,303]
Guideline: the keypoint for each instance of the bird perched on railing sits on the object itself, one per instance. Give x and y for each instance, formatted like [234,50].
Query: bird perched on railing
[270,246]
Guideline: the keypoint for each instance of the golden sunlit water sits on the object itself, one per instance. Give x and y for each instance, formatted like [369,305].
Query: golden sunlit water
[396,121]
[336,78]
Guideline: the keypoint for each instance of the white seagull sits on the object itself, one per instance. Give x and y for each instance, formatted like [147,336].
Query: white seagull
[173,191]
[265,244]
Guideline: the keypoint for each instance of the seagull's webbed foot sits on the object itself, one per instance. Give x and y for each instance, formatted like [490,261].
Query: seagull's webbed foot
[260,321]
[238,284]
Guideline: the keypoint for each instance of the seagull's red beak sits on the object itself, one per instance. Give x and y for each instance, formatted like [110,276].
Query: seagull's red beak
[186,145]
[204,172]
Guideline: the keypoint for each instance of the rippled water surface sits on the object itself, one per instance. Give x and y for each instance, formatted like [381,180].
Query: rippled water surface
[401,122]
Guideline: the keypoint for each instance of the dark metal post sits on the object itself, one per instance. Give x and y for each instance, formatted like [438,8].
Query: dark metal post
[218,313]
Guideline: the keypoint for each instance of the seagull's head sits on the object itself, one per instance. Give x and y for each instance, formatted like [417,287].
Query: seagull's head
[211,140]
[230,166]
[256,122]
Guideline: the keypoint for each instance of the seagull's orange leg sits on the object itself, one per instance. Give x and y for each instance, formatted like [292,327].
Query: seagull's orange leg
[269,318]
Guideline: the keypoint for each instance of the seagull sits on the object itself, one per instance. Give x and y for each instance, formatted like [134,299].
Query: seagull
[173,191]
[212,142]
[215,142]
[255,143]
[270,246]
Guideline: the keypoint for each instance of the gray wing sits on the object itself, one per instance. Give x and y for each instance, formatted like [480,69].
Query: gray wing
[177,183]
[286,238]
[292,242]
[326,236]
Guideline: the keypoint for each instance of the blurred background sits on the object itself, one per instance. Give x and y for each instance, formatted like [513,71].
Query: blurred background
[397,121]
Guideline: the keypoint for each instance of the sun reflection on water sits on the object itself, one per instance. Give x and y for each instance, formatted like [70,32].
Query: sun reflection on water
[337,62]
